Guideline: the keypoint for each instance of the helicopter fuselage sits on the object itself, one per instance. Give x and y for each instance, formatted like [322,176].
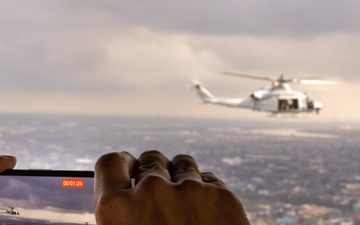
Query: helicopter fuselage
[282,99]
[276,99]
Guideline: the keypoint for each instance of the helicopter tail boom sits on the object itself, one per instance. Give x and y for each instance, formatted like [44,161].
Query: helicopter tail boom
[207,97]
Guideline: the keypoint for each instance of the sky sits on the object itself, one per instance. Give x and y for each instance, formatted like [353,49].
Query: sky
[139,57]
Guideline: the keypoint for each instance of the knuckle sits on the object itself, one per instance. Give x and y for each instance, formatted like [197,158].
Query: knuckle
[183,160]
[152,171]
[152,185]
[190,185]
[183,157]
[153,181]
[155,152]
[184,169]
[105,160]
[151,154]
[151,165]
[112,158]
[210,178]
[185,174]
[106,157]
[7,161]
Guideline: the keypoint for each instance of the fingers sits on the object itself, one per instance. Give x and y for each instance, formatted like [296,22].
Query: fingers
[113,172]
[184,167]
[180,168]
[152,163]
[7,162]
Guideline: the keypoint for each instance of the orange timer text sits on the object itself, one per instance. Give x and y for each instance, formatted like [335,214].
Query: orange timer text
[72,183]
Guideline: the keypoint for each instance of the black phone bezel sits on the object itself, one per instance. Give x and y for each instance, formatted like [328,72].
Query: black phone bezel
[48,173]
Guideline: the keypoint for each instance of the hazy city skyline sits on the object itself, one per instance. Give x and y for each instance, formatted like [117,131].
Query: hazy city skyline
[308,174]
[137,58]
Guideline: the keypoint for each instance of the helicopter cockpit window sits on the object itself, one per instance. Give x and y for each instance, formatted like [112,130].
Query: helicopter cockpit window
[309,101]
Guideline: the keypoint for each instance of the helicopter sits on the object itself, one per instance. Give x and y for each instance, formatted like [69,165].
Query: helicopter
[277,99]
[11,211]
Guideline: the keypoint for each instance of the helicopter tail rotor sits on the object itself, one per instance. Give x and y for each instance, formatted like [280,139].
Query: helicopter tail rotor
[203,93]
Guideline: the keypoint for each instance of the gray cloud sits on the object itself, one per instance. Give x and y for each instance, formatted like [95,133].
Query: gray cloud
[279,17]
[61,45]
[92,53]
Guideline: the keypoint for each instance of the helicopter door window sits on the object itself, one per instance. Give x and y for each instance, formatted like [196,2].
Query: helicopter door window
[288,104]
[282,105]
[295,104]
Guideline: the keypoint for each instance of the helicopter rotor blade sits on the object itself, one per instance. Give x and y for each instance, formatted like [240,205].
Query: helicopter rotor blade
[304,80]
[249,76]
[317,82]
[311,81]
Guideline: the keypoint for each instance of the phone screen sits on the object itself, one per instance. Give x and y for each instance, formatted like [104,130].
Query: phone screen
[46,197]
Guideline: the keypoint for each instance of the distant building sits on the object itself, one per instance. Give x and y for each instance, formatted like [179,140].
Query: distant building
[356,214]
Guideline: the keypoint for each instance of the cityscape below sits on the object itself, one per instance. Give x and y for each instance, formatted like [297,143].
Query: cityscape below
[284,172]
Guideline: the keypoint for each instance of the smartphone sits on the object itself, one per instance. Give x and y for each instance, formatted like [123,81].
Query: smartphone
[46,197]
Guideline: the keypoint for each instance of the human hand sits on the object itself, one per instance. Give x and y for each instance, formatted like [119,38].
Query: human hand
[7,162]
[165,193]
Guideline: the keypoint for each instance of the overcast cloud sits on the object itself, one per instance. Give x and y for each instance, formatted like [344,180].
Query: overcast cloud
[136,57]
[277,17]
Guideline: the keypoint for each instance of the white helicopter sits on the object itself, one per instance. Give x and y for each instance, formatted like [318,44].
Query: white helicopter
[11,211]
[277,99]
